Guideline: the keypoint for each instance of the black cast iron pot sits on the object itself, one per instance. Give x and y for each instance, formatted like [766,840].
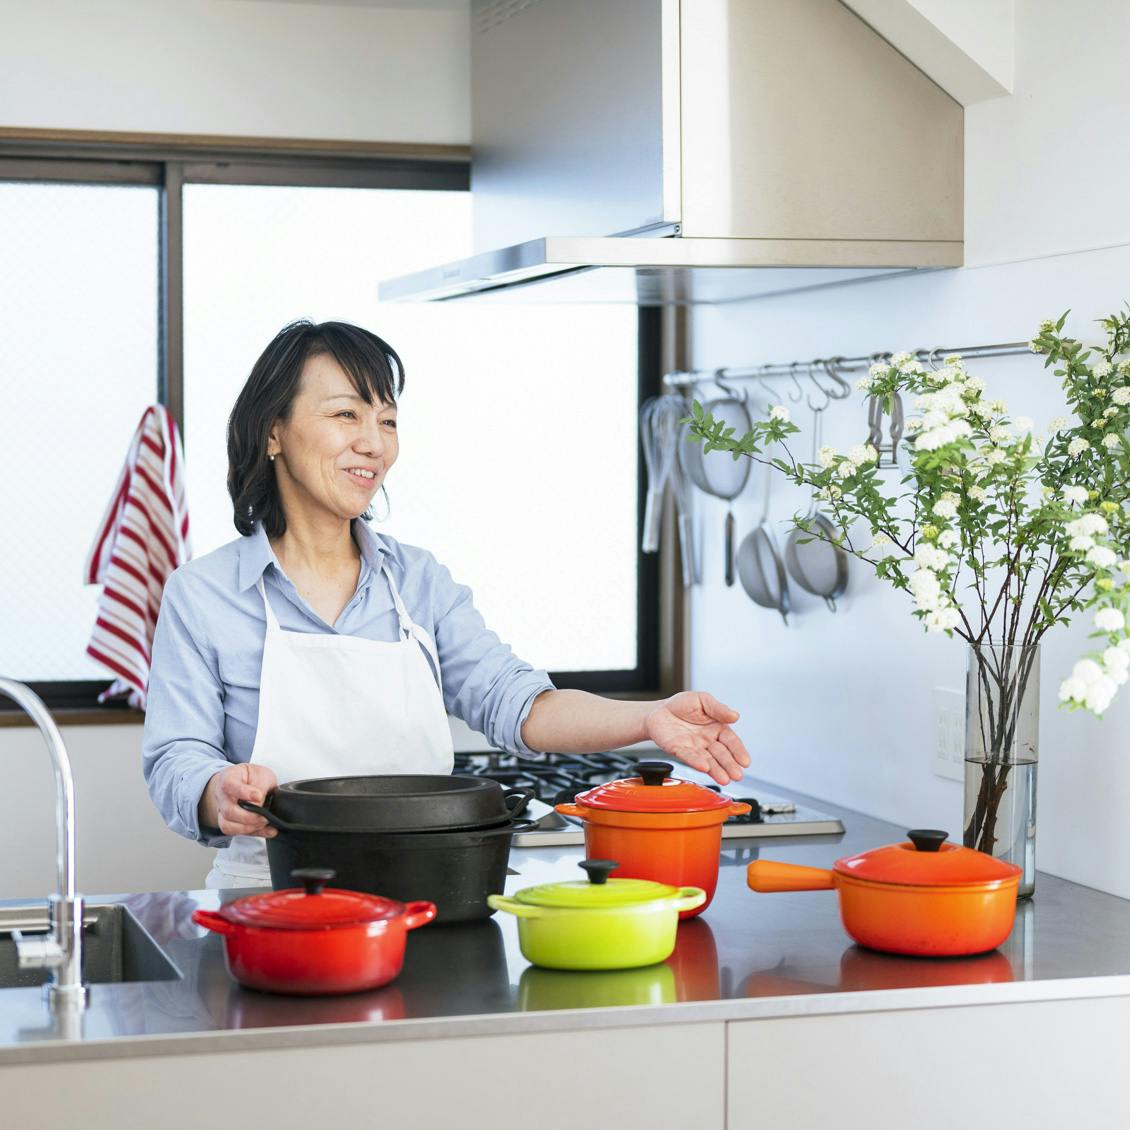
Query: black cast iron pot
[455,870]
[397,803]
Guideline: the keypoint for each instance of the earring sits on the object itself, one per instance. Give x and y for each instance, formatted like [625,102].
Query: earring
[388,506]
[271,458]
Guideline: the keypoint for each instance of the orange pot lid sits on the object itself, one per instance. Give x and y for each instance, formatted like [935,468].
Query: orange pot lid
[317,907]
[654,790]
[926,860]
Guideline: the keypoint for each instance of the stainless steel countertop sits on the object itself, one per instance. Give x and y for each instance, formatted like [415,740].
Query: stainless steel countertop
[748,957]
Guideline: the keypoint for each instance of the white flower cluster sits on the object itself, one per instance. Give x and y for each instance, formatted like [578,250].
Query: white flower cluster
[1094,684]
[779,412]
[945,413]
[933,560]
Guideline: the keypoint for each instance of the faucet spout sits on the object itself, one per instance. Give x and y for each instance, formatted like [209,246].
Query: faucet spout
[61,950]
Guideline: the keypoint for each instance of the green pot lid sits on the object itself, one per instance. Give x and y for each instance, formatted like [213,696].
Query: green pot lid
[598,892]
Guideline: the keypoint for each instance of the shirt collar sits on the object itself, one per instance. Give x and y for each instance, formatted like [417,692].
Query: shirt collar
[255,553]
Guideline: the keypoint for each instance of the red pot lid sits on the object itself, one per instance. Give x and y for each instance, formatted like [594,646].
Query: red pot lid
[927,860]
[313,907]
[654,790]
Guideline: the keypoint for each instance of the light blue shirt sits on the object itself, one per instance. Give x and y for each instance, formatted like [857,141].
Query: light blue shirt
[203,702]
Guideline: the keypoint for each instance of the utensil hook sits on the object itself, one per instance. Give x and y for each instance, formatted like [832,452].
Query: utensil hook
[793,366]
[830,367]
[729,390]
[828,397]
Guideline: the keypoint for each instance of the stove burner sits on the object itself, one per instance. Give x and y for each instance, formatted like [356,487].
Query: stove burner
[561,776]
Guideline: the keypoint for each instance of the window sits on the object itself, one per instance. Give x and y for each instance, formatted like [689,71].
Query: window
[78,302]
[519,456]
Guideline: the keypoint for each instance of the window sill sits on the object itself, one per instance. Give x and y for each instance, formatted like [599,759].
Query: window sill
[77,716]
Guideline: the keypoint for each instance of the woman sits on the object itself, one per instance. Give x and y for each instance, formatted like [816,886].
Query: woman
[311,646]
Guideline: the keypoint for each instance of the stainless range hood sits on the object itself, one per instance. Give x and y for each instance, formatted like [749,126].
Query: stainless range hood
[691,151]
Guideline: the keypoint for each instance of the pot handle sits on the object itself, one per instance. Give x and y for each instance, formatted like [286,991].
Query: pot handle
[418,914]
[768,875]
[210,920]
[513,906]
[740,808]
[521,798]
[689,897]
[270,817]
[569,810]
[513,826]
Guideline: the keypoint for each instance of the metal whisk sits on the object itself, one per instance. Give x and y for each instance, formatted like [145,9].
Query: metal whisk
[659,432]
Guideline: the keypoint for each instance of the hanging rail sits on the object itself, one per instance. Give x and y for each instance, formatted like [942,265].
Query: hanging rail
[833,367]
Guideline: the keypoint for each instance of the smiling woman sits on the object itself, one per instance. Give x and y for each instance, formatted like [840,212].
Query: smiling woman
[312,646]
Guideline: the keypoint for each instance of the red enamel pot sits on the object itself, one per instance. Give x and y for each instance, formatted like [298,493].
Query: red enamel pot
[657,827]
[315,941]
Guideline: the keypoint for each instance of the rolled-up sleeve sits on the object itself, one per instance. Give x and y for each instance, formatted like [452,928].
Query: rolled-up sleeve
[484,682]
[183,744]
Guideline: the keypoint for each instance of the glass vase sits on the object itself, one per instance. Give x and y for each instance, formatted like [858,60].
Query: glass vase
[1002,732]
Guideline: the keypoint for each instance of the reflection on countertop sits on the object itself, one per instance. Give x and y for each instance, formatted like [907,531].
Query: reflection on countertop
[749,956]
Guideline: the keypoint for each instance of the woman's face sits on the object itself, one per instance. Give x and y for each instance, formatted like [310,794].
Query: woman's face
[333,453]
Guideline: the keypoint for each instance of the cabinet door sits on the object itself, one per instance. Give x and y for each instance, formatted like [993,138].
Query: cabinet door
[664,1076]
[1041,1066]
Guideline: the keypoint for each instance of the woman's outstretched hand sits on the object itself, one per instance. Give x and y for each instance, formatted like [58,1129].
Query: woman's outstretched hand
[695,727]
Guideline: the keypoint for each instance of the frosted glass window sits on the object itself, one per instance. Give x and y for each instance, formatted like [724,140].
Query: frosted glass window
[517,424]
[78,319]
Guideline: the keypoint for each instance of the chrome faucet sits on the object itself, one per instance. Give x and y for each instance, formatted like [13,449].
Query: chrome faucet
[59,951]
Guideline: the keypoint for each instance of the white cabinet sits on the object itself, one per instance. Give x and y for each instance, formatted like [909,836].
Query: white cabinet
[664,1076]
[1042,1066]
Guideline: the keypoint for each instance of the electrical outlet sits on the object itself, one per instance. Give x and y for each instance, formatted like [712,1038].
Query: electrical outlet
[949,733]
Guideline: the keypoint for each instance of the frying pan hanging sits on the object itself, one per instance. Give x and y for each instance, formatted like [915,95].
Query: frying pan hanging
[760,567]
[813,558]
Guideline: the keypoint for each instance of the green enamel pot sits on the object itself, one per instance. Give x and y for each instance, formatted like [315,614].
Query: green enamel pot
[600,923]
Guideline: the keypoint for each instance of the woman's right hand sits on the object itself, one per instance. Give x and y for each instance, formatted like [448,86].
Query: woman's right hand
[219,806]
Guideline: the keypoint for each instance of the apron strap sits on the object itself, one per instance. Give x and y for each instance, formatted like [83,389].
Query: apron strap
[272,619]
[410,628]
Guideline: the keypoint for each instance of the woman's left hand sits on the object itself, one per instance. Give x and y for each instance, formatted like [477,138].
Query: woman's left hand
[695,727]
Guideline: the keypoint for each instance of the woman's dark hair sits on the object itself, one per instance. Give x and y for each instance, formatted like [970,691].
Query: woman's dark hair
[372,365]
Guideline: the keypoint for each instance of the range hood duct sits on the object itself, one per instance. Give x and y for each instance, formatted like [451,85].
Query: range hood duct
[696,151]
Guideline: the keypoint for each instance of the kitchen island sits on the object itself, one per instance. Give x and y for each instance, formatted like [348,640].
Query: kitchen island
[766,1014]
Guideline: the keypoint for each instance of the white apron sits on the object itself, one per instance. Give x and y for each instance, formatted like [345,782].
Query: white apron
[337,706]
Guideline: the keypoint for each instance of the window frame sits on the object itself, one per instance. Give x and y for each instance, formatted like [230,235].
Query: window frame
[169,163]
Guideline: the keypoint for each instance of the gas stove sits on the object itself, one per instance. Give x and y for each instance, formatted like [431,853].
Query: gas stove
[558,777]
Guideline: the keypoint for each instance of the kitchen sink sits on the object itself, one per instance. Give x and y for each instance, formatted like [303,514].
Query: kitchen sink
[115,947]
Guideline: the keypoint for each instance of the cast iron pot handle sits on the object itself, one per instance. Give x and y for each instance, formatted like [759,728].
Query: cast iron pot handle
[521,798]
[271,818]
[513,826]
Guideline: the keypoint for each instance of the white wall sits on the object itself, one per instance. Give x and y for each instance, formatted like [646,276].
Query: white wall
[840,705]
[237,67]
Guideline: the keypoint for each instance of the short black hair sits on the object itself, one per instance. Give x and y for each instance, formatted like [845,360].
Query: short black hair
[372,365]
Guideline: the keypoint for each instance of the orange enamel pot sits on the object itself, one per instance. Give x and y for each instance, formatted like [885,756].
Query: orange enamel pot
[924,897]
[657,827]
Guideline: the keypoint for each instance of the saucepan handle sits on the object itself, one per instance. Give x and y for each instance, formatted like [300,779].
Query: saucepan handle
[521,799]
[768,875]
[271,818]
[513,906]
[690,897]
[740,808]
[418,913]
[210,920]
[506,829]
[569,810]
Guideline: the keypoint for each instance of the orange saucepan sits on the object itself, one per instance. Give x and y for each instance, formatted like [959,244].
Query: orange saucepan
[658,827]
[925,897]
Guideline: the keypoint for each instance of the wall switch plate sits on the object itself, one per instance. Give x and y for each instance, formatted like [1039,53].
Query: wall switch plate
[949,733]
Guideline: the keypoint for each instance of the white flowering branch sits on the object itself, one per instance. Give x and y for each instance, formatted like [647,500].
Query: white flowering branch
[1037,529]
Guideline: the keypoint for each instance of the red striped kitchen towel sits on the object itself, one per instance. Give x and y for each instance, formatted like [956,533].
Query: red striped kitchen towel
[141,539]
